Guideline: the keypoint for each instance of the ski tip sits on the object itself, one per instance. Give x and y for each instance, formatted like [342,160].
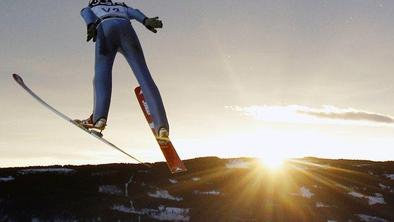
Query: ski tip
[17,78]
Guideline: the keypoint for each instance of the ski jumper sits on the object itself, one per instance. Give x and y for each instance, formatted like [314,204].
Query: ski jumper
[116,34]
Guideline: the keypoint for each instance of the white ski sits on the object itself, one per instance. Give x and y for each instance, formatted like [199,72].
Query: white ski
[95,134]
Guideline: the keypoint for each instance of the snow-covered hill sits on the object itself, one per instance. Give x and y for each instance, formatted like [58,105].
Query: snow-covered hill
[214,189]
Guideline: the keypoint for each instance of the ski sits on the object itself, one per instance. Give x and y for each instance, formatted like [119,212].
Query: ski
[95,134]
[174,163]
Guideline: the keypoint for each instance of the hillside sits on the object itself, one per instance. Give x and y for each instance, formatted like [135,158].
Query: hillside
[214,189]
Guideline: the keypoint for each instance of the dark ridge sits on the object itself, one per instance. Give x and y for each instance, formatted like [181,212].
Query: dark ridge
[214,189]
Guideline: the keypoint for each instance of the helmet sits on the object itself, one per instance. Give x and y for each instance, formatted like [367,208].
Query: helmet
[98,2]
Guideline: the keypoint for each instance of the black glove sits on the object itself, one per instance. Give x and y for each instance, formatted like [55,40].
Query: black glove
[153,23]
[92,32]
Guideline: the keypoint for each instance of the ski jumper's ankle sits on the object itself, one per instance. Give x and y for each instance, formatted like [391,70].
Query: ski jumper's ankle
[163,132]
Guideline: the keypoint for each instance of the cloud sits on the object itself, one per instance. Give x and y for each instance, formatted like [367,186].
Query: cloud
[304,114]
[350,114]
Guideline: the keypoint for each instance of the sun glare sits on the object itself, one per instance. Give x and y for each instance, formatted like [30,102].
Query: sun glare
[272,163]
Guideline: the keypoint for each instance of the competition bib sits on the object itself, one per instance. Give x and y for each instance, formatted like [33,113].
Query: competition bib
[110,10]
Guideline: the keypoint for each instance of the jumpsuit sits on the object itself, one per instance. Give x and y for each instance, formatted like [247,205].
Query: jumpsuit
[116,34]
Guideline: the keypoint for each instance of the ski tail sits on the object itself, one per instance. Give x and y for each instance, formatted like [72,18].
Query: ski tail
[174,163]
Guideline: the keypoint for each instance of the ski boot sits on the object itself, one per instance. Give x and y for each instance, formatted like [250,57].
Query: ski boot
[163,135]
[95,128]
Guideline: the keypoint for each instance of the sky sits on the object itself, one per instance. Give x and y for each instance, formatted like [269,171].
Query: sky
[257,78]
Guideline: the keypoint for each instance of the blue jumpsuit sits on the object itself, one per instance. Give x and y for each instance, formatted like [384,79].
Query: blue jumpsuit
[115,34]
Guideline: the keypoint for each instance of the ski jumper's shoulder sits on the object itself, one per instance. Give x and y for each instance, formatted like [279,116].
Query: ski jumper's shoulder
[121,4]
[135,14]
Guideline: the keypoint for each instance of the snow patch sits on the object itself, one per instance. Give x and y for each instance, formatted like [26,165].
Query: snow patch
[173,181]
[163,194]
[171,213]
[372,200]
[304,192]
[124,209]
[377,199]
[367,218]
[46,170]
[110,189]
[355,194]
[384,187]
[162,213]
[212,192]
[390,176]
[7,179]
[321,205]
[237,164]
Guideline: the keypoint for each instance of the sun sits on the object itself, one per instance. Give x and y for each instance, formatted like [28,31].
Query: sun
[273,163]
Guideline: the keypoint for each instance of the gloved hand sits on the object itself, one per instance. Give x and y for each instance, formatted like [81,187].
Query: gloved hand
[92,32]
[153,23]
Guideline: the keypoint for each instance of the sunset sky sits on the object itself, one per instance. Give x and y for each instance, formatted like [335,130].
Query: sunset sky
[256,78]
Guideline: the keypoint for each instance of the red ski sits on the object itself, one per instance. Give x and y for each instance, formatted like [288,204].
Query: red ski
[174,163]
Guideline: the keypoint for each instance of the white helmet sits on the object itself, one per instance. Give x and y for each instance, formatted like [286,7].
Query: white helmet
[98,2]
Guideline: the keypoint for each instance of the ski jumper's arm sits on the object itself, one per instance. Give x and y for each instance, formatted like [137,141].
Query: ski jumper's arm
[149,23]
[136,14]
[88,16]
[91,20]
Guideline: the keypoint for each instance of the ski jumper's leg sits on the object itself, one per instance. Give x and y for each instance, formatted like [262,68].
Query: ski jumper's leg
[132,50]
[104,58]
